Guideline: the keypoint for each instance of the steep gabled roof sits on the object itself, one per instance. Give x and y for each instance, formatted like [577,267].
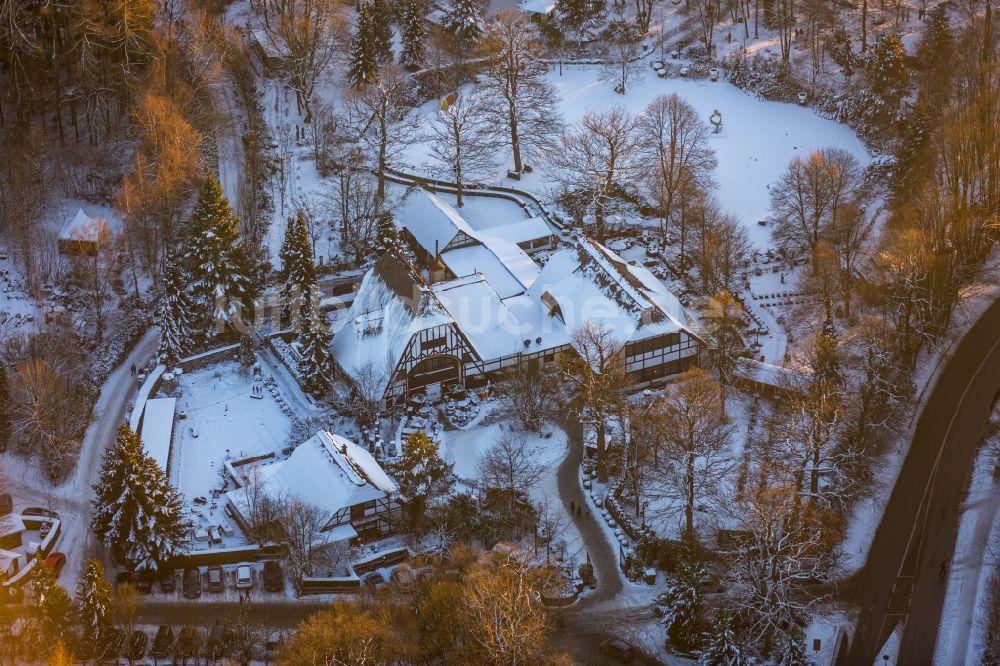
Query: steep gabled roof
[433,223]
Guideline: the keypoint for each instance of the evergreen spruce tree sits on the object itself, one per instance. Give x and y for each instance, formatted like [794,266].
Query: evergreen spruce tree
[285,253]
[794,653]
[885,81]
[93,599]
[299,270]
[723,649]
[387,240]
[363,69]
[214,258]
[381,14]
[137,513]
[464,21]
[5,408]
[315,340]
[247,355]
[679,608]
[173,315]
[422,475]
[52,611]
[414,36]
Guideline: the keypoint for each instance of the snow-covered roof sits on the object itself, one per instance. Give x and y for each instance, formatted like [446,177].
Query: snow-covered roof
[157,428]
[11,524]
[391,305]
[327,471]
[590,283]
[431,221]
[7,558]
[83,228]
[506,271]
[486,322]
[538,6]
[521,231]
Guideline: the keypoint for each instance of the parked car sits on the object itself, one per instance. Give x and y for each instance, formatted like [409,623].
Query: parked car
[136,646]
[123,578]
[274,579]
[144,582]
[56,562]
[38,511]
[375,581]
[617,649]
[163,642]
[6,504]
[244,577]
[402,579]
[216,581]
[192,582]
[184,647]
[168,584]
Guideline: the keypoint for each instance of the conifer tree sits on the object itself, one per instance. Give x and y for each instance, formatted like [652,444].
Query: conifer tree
[93,599]
[51,611]
[285,253]
[247,355]
[422,475]
[723,648]
[794,653]
[315,340]
[298,268]
[414,34]
[387,239]
[173,315]
[464,21]
[214,258]
[381,15]
[137,513]
[363,69]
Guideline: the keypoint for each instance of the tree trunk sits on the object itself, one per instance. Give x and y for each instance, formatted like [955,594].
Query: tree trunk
[515,142]
[602,465]
[689,490]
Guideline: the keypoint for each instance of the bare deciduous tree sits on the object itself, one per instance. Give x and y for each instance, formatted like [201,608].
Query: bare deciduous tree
[521,99]
[309,34]
[675,142]
[380,114]
[531,387]
[462,139]
[598,372]
[696,458]
[510,465]
[598,157]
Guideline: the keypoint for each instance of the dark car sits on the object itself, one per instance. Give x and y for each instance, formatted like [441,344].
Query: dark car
[6,504]
[163,642]
[136,646]
[168,584]
[375,582]
[617,649]
[192,582]
[113,644]
[184,647]
[274,579]
[216,579]
[38,511]
[144,582]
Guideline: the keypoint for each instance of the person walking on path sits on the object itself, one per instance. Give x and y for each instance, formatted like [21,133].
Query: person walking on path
[572,508]
[133,369]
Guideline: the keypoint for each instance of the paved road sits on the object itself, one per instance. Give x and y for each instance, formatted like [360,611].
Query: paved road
[902,579]
[72,498]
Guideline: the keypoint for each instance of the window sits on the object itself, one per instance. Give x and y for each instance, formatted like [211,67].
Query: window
[434,343]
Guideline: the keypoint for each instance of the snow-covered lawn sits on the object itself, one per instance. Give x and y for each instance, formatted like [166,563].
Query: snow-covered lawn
[757,140]
[222,420]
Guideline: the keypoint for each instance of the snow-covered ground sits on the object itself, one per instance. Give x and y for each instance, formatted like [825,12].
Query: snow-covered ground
[757,140]
[965,617]
[221,421]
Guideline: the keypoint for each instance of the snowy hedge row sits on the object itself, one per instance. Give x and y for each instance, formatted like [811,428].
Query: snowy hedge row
[115,348]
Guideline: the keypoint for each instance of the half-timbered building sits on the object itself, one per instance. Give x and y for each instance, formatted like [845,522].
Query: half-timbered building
[331,473]
[477,304]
